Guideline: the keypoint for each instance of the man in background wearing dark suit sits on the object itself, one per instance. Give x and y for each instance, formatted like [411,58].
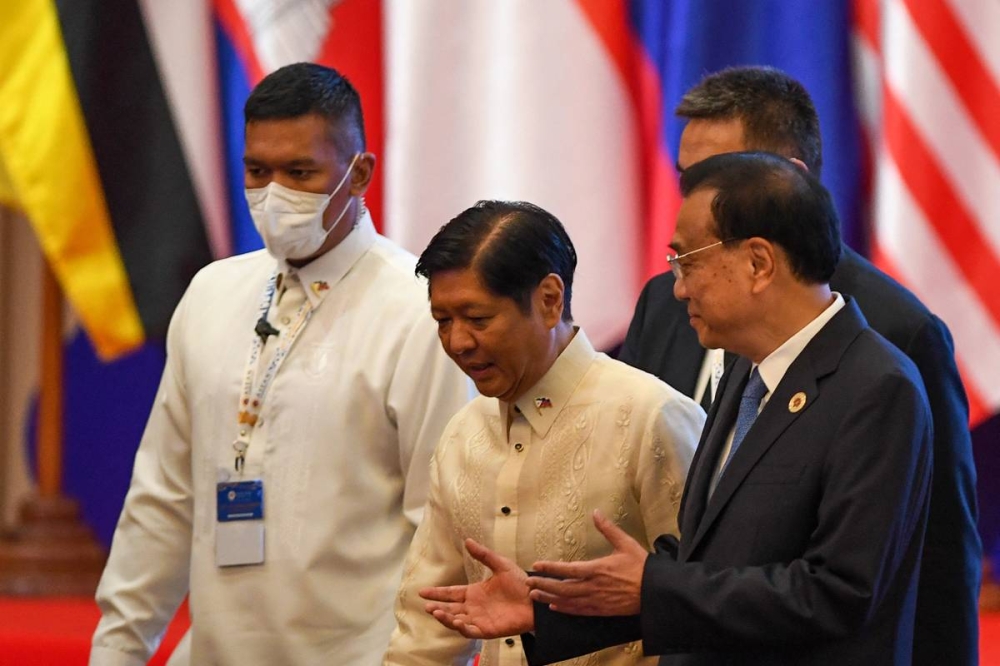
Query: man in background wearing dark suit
[803,518]
[756,108]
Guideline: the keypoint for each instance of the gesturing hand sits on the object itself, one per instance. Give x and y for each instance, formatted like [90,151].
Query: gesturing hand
[498,606]
[610,585]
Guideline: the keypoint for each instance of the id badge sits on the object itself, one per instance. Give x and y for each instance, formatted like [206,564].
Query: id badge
[239,528]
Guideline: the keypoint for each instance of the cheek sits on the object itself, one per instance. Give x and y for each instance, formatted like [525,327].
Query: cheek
[503,351]
[445,338]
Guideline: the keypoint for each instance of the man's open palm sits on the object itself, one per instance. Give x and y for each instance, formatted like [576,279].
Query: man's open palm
[496,607]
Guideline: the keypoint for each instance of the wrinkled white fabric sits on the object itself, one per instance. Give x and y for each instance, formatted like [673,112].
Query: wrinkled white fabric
[347,430]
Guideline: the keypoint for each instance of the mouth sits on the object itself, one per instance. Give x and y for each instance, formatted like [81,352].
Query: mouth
[477,371]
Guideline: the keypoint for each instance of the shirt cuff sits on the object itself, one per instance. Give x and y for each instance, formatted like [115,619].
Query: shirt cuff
[105,656]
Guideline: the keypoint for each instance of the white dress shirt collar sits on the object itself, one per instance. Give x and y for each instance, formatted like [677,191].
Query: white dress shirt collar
[543,402]
[324,272]
[773,368]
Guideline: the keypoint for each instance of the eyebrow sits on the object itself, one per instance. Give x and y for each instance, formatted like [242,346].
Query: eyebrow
[300,162]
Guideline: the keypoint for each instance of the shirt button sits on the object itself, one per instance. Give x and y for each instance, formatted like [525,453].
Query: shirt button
[505,510]
[510,642]
[286,320]
[518,446]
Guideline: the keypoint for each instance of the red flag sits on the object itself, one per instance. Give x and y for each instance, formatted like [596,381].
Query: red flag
[931,81]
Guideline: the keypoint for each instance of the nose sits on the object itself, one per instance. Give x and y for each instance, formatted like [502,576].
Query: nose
[680,289]
[284,181]
[459,340]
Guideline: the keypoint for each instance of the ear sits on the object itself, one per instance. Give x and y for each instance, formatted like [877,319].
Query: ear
[361,176]
[548,299]
[763,262]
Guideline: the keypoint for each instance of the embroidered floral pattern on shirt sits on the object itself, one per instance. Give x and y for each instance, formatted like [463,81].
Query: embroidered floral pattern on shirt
[468,523]
[527,488]
[562,519]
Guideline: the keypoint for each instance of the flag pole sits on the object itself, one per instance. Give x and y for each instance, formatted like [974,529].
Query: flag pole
[52,552]
[50,402]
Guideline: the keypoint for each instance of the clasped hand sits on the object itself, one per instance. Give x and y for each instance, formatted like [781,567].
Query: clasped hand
[501,605]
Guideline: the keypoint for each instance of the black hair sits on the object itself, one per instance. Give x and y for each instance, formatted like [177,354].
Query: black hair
[304,88]
[767,196]
[512,246]
[776,111]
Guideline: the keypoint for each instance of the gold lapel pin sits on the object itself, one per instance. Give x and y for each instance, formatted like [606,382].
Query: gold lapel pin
[797,402]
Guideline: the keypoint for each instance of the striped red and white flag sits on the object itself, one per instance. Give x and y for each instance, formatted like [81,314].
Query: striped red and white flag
[929,72]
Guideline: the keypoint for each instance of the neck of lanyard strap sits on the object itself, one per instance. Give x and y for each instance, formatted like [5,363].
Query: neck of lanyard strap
[254,391]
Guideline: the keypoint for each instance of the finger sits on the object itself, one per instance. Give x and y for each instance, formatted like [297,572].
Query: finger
[484,555]
[451,609]
[451,593]
[571,606]
[615,535]
[566,569]
[443,616]
[450,621]
[455,623]
[543,597]
[467,630]
[559,588]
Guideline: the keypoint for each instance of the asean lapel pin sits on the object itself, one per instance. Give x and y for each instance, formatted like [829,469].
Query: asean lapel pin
[319,286]
[797,402]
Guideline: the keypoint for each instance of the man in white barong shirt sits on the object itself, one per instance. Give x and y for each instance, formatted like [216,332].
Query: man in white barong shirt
[337,427]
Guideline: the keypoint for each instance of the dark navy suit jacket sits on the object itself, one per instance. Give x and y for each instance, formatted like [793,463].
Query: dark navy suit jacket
[808,551]
[661,342]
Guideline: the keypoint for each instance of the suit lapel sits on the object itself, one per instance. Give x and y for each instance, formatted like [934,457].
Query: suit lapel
[820,358]
[770,424]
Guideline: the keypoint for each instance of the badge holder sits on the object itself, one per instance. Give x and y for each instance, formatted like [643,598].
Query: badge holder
[239,530]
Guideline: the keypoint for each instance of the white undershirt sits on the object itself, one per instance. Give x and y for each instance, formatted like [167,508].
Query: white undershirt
[773,368]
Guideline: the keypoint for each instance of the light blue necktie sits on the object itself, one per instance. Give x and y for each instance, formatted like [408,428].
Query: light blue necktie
[753,393]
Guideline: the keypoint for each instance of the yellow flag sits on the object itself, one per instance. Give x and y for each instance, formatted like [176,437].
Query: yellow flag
[51,175]
[7,197]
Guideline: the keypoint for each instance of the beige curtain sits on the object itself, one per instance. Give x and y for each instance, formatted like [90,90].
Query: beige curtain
[20,321]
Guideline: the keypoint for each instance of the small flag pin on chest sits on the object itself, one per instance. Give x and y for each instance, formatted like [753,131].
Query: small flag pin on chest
[542,403]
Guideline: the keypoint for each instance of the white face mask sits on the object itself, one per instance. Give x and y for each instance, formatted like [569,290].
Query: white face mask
[291,221]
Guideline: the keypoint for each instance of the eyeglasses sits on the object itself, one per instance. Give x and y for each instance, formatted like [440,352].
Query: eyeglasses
[675,259]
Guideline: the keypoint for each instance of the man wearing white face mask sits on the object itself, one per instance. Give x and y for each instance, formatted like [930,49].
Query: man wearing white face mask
[291,222]
[284,465]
